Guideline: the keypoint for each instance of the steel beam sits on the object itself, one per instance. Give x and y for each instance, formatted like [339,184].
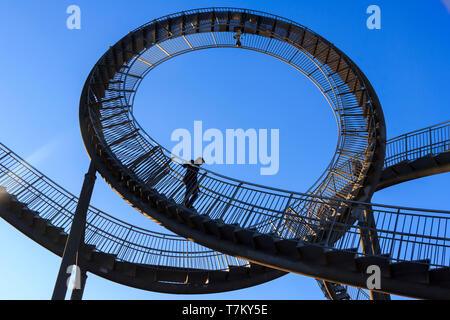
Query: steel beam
[76,235]
[370,244]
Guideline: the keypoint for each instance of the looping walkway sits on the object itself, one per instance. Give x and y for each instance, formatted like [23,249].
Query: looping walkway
[331,232]
[259,223]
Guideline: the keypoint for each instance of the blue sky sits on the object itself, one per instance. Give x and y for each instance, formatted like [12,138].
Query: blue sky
[44,66]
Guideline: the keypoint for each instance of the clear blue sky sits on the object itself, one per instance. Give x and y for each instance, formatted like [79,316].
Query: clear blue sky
[44,66]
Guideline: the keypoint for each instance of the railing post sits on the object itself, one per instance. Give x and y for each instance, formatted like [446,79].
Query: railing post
[230,202]
[431,141]
[406,147]
[284,215]
[395,232]
[76,236]
[331,229]
[370,244]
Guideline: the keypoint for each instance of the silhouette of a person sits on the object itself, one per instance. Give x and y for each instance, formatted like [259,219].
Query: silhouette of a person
[190,181]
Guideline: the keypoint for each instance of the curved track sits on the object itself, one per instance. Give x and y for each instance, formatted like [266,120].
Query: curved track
[416,154]
[148,260]
[351,97]
[116,250]
[410,156]
[332,232]
[284,230]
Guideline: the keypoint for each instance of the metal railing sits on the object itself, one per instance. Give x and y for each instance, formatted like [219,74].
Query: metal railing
[316,216]
[108,234]
[128,142]
[400,230]
[417,144]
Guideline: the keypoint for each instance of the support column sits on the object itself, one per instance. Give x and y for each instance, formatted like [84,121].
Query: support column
[370,244]
[76,235]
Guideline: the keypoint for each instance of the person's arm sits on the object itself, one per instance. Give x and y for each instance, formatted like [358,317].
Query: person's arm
[188,165]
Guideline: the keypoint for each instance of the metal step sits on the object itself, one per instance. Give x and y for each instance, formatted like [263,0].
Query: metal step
[106,260]
[440,277]
[198,222]
[236,273]
[28,216]
[264,242]
[118,54]
[138,41]
[312,253]
[161,205]
[197,278]
[416,271]
[150,197]
[217,276]
[245,237]
[102,75]
[211,227]
[184,216]
[287,248]
[443,158]
[145,273]
[64,238]
[40,224]
[99,89]
[424,162]
[170,275]
[109,61]
[127,45]
[173,211]
[402,168]
[388,174]
[87,251]
[227,232]
[342,259]
[56,234]
[254,267]
[16,206]
[362,263]
[126,268]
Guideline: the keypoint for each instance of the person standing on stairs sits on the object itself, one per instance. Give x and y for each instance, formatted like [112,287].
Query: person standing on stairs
[190,181]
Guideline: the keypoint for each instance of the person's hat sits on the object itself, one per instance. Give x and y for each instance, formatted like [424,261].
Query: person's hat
[199,160]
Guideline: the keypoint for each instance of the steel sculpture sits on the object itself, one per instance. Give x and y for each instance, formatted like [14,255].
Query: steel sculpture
[332,232]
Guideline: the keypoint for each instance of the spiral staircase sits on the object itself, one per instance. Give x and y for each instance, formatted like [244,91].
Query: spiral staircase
[241,234]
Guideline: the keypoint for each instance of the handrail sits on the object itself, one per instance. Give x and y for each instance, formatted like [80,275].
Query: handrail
[254,206]
[142,71]
[106,232]
[443,124]
[417,144]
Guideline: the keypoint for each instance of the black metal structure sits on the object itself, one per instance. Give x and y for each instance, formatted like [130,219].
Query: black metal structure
[144,259]
[331,232]
[114,249]
[257,220]
[417,154]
